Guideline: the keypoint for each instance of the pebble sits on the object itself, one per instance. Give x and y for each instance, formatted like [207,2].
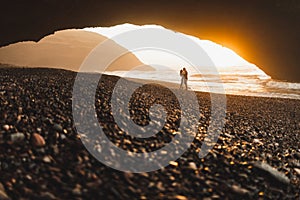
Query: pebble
[160,186]
[193,165]
[76,191]
[3,195]
[239,190]
[180,197]
[17,137]
[38,140]
[48,195]
[47,159]
[6,127]
[257,141]
[297,155]
[272,172]
[173,163]
[58,127]
[297,171]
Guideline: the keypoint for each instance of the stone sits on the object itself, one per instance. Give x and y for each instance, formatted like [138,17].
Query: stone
[173,163]
[297,155]
[17,137]
[297,171]
[57,127]
[180,197]
[6,127]
[239,190]
[38,140]
[160,186]
[48,195]
[76,191]
[3,195]
[271,172]
[193,165]
[257,141]
[47,159]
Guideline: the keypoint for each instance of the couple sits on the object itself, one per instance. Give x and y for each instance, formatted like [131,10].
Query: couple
[184,78]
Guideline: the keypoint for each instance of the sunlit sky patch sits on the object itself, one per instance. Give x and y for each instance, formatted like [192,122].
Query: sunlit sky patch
[224,58]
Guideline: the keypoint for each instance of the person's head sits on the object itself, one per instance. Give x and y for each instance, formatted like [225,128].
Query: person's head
[184,68]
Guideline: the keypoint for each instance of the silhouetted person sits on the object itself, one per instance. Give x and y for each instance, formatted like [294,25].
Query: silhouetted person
[181,78]
[184,78]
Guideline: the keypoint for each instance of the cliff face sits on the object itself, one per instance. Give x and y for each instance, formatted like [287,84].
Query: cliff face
[263,32]
[67,49]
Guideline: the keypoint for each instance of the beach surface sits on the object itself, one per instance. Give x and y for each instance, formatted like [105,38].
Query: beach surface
[257,155]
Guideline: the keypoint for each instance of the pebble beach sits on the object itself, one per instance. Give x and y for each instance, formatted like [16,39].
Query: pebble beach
[257,155]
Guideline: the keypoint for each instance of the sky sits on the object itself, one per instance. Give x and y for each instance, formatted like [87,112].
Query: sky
[221,56]
[225,59]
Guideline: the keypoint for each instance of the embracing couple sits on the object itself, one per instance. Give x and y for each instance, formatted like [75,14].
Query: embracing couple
[184,78]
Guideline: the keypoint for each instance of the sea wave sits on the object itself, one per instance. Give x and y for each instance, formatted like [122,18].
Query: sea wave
[231,83]
[283,85]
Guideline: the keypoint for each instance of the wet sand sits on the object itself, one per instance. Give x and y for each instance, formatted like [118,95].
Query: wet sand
[42,157]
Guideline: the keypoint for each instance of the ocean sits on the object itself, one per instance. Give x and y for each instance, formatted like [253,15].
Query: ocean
[235,75]
[247,82]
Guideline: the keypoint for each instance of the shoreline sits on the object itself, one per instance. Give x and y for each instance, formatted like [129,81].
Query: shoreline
[140,80]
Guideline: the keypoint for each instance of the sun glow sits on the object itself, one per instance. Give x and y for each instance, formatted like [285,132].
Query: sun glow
[224,58]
